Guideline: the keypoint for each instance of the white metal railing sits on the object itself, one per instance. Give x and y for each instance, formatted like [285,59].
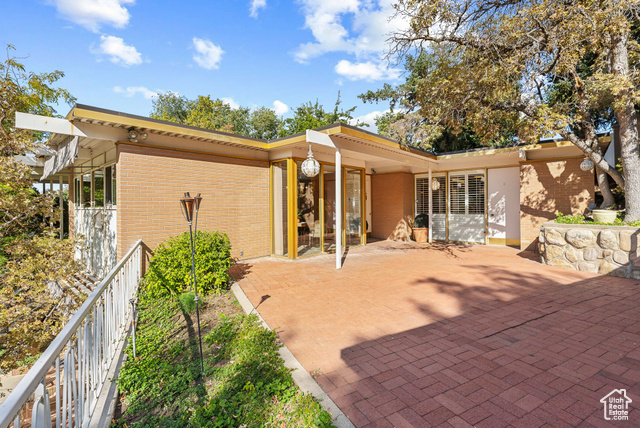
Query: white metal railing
[75,365]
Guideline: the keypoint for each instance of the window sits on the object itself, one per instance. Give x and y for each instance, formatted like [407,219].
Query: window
[457,188]
[438,196]
[476,193]
[110,185]
[98,188]
[86,190]
[77,191]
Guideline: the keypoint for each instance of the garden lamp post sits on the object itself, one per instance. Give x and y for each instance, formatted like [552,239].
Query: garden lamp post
[188,205]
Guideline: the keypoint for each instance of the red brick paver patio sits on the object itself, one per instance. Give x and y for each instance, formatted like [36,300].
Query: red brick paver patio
[408,335]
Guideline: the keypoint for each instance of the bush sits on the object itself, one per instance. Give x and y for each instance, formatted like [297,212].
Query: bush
[421,221]
[170,269]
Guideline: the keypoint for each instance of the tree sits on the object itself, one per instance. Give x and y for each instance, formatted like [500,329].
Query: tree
[215,114]
[312,115]
[170,106]
[495,62]
[404,122]
[264,123]
[261,122]
[33,261]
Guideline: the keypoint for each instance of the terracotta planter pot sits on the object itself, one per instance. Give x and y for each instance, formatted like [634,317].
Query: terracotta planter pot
[421,234]
[604,216]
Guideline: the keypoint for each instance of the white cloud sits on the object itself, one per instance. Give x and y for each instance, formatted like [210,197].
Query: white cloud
[368,71]
[371,23]
[208,55]
[118,52]
[369,119]
[257,5]
[232,103]
[130,91]
[93,14]
[280,108]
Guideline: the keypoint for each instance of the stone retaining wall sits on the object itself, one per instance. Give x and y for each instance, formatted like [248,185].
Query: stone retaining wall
[609,250]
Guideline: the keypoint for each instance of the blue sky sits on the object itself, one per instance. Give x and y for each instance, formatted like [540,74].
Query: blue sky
[117,54]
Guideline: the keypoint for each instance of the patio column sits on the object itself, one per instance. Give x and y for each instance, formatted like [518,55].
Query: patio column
[61,210]
[430,203]
[338,214]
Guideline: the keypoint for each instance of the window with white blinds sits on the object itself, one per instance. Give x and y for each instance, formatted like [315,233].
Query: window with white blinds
[438,196]
[476,193]
[422,195]
[457,190]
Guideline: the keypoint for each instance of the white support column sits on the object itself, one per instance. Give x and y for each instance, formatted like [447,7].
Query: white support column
[61,210]
[338,213]
[430,204]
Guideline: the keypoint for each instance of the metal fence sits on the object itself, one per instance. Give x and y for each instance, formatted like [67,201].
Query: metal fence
[63,386]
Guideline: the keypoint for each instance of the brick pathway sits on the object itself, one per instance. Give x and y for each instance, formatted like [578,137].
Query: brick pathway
[409,335]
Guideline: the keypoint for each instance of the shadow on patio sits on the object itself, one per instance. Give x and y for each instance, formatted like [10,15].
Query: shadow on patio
[517,355]
[466,335]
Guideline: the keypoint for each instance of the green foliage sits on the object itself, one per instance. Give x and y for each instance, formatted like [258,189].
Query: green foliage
[31,255]
[187,302]
[580,219]
[170,268]
[312,115]
[421,221]
[215,114]
[261,122]
[405,122]
[246,383]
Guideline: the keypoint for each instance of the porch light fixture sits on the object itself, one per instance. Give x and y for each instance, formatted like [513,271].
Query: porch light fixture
[587,164]
[132,134]
[310,167]
[435,185]
[188,205]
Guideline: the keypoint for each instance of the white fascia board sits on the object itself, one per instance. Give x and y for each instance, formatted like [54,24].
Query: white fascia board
[54,125]
[316,137]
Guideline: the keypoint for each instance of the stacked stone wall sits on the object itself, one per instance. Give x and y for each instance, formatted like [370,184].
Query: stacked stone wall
[609,250]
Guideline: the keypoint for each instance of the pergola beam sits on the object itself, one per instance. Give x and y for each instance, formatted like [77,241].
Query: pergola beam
[54,125]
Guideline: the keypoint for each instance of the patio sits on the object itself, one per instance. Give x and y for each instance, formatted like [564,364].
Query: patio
[417,335]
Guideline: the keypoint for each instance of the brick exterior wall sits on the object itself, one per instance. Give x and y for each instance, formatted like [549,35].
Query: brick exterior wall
[392,206]
[151,182]
[549,187]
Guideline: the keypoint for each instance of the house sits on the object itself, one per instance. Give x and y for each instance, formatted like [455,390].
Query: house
[126,174]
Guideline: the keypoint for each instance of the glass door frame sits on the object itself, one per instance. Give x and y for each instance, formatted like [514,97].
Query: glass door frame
[292,203]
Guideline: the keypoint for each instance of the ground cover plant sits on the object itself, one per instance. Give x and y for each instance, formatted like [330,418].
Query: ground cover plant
[580,219]
[245,383]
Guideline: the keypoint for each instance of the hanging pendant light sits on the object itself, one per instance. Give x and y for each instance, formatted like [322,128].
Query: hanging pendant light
[310,167]
[435,185]
[587,164]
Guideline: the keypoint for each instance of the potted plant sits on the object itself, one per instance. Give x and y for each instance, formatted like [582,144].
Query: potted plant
[421,228]
[604,216]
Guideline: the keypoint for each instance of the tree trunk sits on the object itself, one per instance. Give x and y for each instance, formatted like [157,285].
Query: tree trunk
[605,189]
[628,120]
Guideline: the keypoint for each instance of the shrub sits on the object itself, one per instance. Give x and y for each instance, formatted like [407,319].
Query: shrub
[170,269]
[421,221]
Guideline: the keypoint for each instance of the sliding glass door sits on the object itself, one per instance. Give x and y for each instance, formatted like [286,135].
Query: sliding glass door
[303,211]
[353,206]
[308,214]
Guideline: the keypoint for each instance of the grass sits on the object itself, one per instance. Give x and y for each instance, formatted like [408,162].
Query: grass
[245,384]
